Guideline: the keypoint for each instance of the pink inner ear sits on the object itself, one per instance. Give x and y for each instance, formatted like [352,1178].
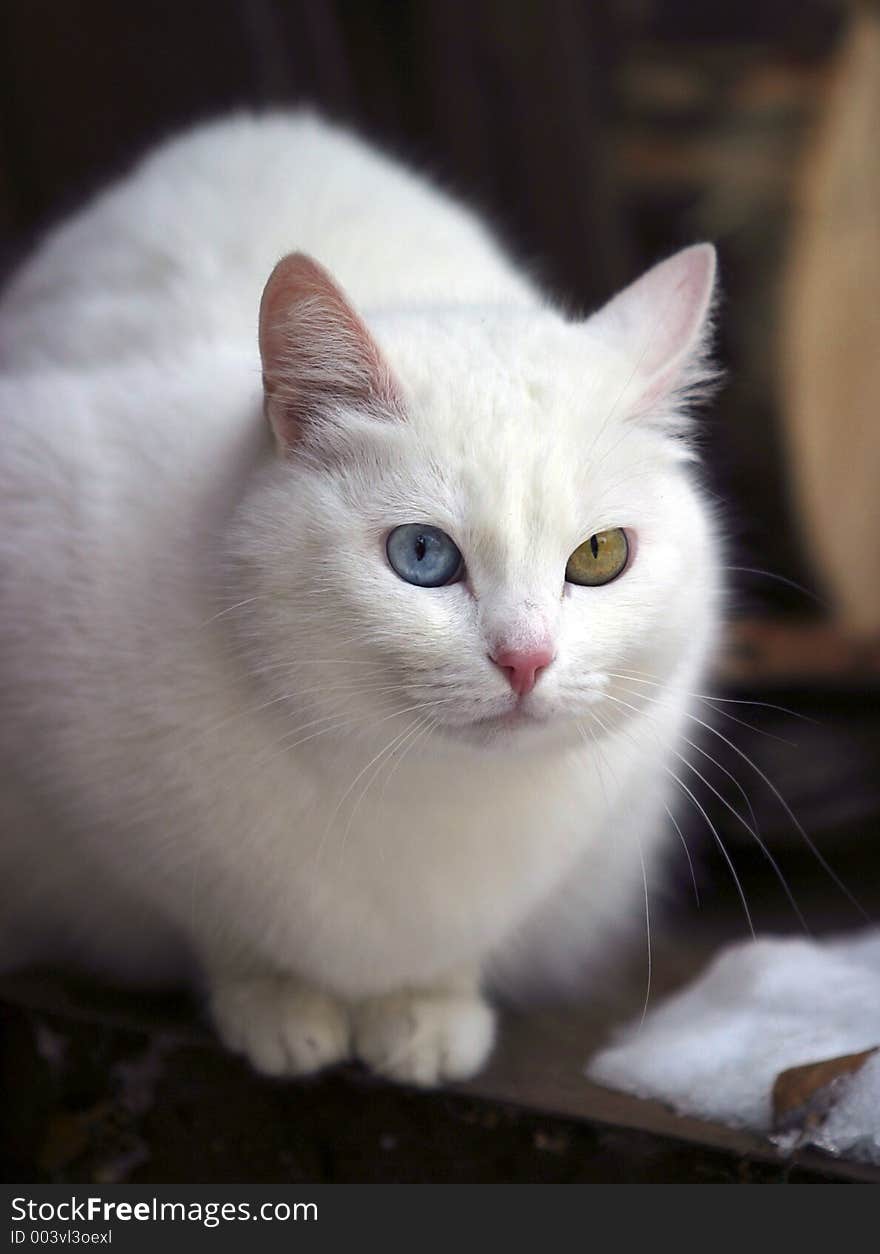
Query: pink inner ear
[661,318]
[315,349]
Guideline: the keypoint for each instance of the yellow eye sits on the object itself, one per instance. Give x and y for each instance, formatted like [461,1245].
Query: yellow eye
[599,559]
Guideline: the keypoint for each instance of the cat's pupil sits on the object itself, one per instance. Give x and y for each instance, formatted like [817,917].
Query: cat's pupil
[594,546]
[421,548]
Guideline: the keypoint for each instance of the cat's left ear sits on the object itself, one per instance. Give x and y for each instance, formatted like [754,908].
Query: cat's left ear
[661,322]
[317,354]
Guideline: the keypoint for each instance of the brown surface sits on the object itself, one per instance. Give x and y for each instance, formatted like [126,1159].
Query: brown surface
[803,1096]
[537,1070]
[540,1066]
[778,652]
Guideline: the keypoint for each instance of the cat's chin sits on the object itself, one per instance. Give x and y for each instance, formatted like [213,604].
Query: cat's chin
[518,727]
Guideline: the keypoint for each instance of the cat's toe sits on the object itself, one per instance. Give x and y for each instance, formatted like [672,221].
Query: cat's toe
[281,1026]
[424,1038]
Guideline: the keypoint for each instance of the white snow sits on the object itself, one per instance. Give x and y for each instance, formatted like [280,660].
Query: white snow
[715,1048]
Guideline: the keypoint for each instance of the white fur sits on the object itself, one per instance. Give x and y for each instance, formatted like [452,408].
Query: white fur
[220,753]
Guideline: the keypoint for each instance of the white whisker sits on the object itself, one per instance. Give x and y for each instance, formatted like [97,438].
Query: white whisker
[687,853]
[751,830]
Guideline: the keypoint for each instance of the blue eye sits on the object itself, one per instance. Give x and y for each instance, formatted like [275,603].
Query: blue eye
[423,555]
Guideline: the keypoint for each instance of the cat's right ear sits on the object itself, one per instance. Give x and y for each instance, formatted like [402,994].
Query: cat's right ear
[662,323]
[317,354]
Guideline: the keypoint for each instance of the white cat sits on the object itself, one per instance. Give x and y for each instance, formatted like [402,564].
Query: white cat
[354,712]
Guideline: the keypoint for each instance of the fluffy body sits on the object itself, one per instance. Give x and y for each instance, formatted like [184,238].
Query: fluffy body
[235,746]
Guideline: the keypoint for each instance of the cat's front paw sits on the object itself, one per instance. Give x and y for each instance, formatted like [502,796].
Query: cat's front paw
[424,1037]
[282,1026]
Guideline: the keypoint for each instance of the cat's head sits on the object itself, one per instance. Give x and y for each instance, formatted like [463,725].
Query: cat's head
[482,525]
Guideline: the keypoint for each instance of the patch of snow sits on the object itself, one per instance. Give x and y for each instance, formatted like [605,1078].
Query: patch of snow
[714,1049]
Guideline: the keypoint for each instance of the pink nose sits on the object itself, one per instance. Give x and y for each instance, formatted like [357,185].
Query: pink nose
[522,666]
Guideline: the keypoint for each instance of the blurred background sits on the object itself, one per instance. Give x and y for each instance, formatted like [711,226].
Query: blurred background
[599,136]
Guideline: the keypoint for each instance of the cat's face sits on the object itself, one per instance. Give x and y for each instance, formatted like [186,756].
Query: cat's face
[490,535]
